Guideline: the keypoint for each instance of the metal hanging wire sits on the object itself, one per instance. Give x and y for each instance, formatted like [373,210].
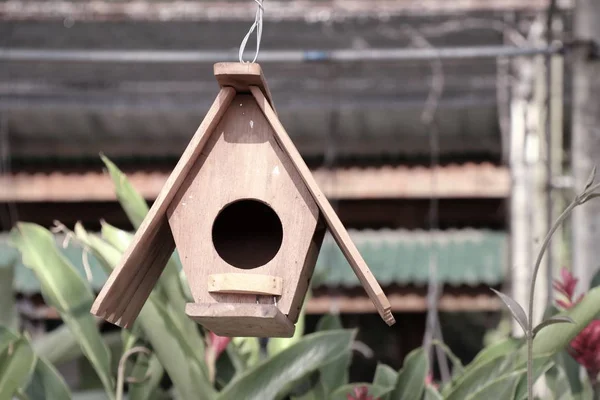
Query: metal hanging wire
[258,25]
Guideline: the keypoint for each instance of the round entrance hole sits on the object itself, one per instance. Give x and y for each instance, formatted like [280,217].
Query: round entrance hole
[247,234]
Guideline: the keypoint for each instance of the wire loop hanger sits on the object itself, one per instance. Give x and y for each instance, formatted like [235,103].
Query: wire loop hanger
[258,23]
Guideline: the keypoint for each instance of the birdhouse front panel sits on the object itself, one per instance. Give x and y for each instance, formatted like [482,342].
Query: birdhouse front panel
[248,220]
[244,223]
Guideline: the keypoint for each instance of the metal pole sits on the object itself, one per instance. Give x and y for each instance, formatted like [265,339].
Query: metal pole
[347,55]
[549,150]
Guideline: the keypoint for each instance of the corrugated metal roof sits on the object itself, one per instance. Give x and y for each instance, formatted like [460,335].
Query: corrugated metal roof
[468,180]
[152,109]
[396,257]
[464,257]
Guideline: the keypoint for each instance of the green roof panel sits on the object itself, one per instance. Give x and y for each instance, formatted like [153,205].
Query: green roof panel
[396,257]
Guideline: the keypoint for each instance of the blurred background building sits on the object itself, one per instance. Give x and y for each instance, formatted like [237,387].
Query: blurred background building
[413,152]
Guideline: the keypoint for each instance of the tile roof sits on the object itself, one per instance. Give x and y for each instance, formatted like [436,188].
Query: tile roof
[396,257]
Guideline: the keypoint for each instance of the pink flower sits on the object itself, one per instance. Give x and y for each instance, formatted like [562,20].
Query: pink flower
[566,287]
[361,393]
[429,380]
[585,347]
[215,346]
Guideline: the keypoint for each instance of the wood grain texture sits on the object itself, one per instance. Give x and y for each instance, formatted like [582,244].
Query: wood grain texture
[307,272]
[241,320]
[241,76]
[242,160]
[245,284]
[336,227]
[129,285]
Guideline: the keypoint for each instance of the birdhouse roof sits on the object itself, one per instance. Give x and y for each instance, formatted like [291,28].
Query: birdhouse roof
[130,284]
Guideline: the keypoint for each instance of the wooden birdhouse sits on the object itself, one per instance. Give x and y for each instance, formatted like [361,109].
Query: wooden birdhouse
[247,218]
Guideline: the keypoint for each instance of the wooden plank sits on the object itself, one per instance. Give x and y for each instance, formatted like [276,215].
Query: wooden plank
[241,319]
[245,284]
[124,294]
[241,76]
[336,227]
[307,272]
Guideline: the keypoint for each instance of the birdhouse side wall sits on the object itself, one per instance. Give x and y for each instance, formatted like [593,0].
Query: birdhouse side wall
[242,162]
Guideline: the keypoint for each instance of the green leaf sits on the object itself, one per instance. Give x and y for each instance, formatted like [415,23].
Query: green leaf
[385,376]
[335,373]
[16,363]
[411,378]
[431,393]
[161,326]
[132,202]
[373,390]
[499,388]
[136,209]
[46,383]
[590,179]
[329,322]
[269,378]
[457,366]
[130,337]
[480,374]
[306,386]
[6,338]
[318,392]
[515,309]
[276,345]
[244,352]
[558,383]
[571,369]
[63,288]
[540,367]
[489,353]
[595,280]
[550,321]
[169,285]
[8,315]
[60,345]
[181,362]
[147,372]
[554,338]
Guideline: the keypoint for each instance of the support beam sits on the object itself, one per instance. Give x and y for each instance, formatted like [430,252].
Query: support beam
[402,303]
[280,56]
[529,192]
[388,182]
[586,141]
[345,304]
[310,10]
